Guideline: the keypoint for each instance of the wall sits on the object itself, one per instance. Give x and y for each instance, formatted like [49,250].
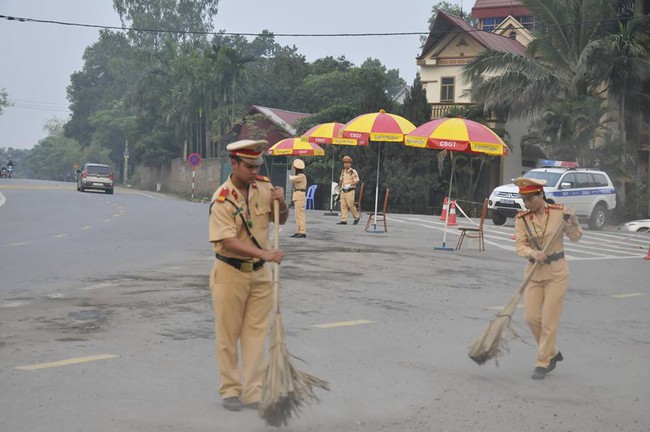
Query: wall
[176,178]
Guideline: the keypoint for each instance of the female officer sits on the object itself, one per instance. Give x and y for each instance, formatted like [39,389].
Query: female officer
[544,296]
[299,183]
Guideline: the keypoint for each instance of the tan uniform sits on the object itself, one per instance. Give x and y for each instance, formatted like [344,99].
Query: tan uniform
[544,297]
[299,183]
[242,301]
[348,177]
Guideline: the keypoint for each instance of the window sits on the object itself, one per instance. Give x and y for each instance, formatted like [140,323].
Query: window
[583,180]
[513,35]
[569,178]
[488,24]
[600,180]
[447,89]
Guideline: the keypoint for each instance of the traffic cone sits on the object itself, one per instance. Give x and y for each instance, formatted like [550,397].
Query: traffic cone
[445,206]
[647,257]
[452,214]
[513,237]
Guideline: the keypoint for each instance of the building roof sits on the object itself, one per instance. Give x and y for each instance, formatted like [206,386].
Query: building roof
[498,8]
[446,23]
[283,118]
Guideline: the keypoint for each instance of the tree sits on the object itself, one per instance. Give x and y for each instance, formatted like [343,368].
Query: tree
[4,100]
[416,106]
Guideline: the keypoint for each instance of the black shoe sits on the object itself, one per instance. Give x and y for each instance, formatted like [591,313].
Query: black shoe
[253,406]
[558,357]
[300,236]
[295,235]
[539,373]
[341,223]
[232,404]
[356,221]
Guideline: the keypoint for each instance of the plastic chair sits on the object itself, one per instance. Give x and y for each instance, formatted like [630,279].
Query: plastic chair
[311,191]
[474,232]
[380,216]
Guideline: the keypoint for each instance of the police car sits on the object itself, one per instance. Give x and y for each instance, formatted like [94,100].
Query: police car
[591,192]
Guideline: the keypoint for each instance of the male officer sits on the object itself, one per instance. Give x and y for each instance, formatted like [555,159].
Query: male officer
[544,296]
[240,282]
[299,183]
[348,182]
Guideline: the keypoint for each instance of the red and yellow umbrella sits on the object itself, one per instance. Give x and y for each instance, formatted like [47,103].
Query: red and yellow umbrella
[328,133]
[382,127]
[457,134]
[295,147]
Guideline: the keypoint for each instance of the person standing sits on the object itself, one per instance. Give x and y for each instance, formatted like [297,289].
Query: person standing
[544,295]
[299,183]
[240,283]
[348,183]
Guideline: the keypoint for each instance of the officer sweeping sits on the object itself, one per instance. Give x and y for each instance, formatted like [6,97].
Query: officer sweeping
[544,295]
[348,182]
[240,282]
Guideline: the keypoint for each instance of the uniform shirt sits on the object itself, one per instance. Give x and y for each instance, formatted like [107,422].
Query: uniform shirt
[298,182]
[542,229]
[226,222]
[349,177]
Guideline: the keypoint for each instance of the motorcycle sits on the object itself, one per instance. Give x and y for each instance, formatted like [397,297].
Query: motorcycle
[4,172]
[10,171]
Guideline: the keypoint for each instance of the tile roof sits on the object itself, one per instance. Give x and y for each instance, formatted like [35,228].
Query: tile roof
[284,119]
[498,8]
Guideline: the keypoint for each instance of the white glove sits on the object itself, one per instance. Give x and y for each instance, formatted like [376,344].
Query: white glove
[346,187]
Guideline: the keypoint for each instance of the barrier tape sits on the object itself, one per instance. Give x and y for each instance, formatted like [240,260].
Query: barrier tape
[464,214]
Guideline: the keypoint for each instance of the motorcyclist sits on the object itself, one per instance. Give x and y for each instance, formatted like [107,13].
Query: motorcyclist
[10,168]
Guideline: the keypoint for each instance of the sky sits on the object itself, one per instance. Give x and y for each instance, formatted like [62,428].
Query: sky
[38,59]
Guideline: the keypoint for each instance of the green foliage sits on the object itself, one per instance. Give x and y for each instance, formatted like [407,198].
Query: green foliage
[4,100]
[54,156]
[416,106]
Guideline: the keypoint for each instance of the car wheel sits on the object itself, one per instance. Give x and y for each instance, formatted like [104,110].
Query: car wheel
[498,219]
[109,191]
[81,188]
[598,217]
[642,230]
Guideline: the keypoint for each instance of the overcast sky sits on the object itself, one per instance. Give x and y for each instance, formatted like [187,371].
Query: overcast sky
[38,59]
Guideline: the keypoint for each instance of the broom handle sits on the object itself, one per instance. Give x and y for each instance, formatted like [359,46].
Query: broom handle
[529,275]
[276,245]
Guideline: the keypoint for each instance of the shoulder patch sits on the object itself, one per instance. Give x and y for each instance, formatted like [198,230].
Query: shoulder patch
[263,178]
[556,206]
[222,195]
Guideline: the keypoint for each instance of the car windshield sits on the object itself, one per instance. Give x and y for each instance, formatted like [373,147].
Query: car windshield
[98,169]
[550,177]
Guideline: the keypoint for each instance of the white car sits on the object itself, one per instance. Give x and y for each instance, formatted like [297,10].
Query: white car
[95,176]
[591,192]
[641,225]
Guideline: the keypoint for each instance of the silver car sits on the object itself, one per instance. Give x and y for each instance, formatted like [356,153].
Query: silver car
[95,176]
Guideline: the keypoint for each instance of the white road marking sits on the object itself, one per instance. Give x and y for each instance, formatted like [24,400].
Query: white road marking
[342,324]
[60,235]
[628,295]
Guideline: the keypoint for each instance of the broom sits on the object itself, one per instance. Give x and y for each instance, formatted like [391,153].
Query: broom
[286,389]
[491,343]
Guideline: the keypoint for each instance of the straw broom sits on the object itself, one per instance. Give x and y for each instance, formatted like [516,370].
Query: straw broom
[286,389]
[491,343]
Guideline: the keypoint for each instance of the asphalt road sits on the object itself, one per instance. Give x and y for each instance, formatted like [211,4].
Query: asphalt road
[106,323]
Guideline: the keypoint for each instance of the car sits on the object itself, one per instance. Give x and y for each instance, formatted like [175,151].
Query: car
[590,191]
[95,176]
[641,225]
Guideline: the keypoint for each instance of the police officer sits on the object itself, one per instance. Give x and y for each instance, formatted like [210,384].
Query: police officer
[299,184]
[348,182]
[544,296]
[240,282]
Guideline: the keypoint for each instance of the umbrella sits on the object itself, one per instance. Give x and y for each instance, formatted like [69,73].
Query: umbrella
[381,126]
[456,135]
[329,133]
[295,147]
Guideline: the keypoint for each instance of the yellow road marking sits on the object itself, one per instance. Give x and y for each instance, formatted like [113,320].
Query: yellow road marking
[19,244]
[60,235]
[628,295]
[342,324]
[519,306]
[68,362]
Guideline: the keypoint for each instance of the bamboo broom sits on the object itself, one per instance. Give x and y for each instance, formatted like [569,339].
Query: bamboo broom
[491,343]
[286,389]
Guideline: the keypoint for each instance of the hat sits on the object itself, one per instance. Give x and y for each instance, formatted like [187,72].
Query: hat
[298,164]
[250,151]
[529,185]
[346,159]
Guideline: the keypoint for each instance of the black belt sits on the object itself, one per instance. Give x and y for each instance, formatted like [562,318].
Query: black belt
[299,190]
[241,265]
[550,258]
[349,190]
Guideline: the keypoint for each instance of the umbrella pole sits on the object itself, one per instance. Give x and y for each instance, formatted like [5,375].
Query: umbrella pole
[444,235]
[374,230]
[332,212]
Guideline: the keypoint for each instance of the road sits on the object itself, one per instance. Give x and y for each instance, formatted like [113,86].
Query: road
[106,323]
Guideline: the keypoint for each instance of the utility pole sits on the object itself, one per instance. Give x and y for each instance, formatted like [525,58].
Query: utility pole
[126,161]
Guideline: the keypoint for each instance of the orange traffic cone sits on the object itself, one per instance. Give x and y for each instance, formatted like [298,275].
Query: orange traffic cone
[647,257]
[445,206]
[452,214]
[513,237]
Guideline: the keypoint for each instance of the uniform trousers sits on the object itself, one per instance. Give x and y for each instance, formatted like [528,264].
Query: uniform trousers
[543,304]
[299,201]
[242,303]
[347,204]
